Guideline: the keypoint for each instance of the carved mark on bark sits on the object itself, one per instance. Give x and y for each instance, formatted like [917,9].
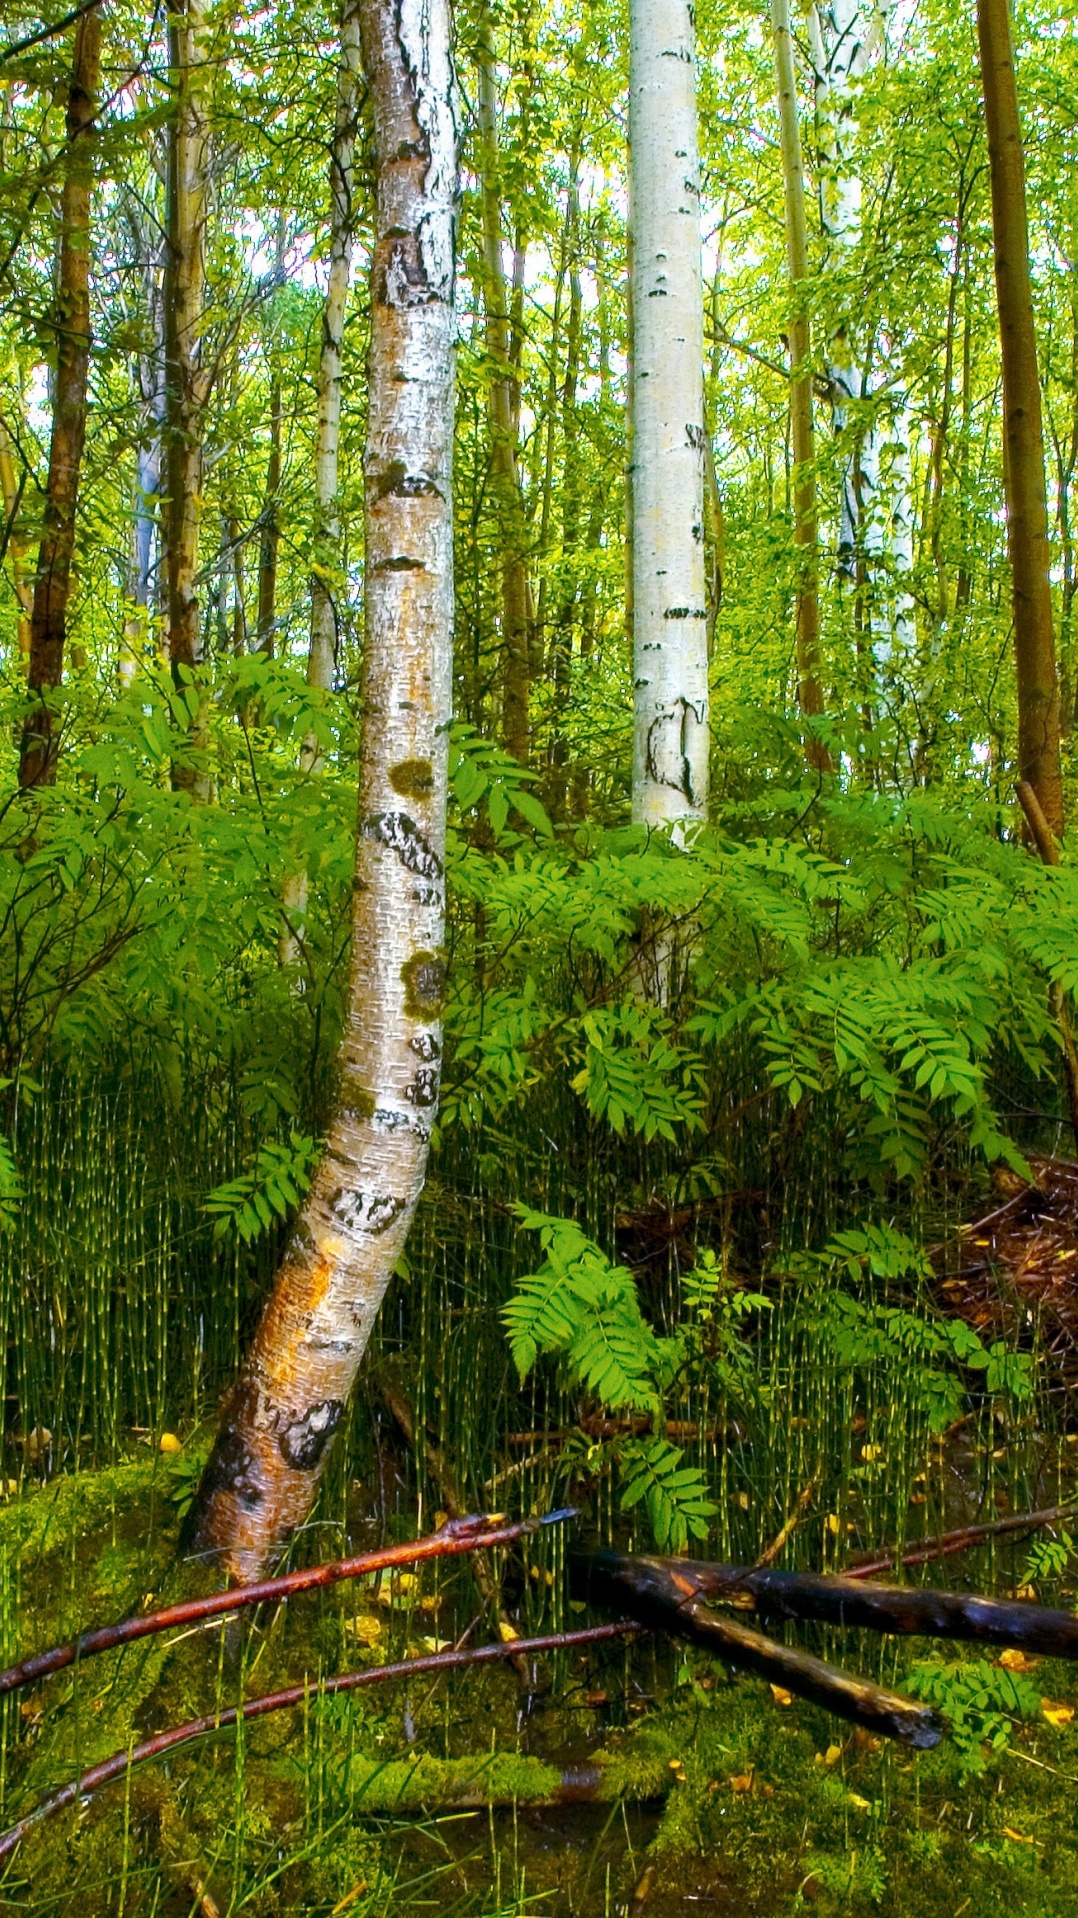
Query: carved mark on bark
[669,758]
[302,1443]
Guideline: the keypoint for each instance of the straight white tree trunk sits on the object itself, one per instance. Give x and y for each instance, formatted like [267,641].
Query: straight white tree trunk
[327,578]
[262,1476]
[669,595]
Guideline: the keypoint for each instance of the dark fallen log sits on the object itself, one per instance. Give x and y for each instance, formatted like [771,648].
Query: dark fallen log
[659,1593]
[831,1600]
[577,1783]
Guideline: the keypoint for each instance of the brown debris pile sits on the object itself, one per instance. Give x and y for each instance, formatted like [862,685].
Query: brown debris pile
[1015,1271]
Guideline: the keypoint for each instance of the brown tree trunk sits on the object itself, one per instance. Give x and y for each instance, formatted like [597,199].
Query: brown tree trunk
[503,406]
[263,1473]
[48,623]
[1027,514]
[186,382]
[809,689]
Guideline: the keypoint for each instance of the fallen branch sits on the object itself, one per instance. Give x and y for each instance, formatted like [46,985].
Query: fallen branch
[947,1543]
[830,1600]
[472,1534]
[664,1593]
[122,1761]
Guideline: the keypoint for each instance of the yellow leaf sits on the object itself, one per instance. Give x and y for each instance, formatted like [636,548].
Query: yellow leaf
[862,1804]
[742,1781]
[507,1632]
[366,1627]
[406,1582]
[1012,1660]
[1058,1716]
[870,1453]
[168,1442]
[832,1754]
[781,1696]
[1019,1837]
[833,1523]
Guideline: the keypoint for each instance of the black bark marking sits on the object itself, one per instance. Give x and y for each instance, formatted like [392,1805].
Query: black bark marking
[403,279]
[423,978]
[667,758]
[684,612]
[397,481]
[396,830]
[423,1090]
[372,1212]
[403,563]
[425,1046]
[302,1443]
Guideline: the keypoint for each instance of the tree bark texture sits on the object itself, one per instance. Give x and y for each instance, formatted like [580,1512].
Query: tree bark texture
[262,1476]
[503,406]
[809,689]
[16,544]
[186,379]
[52,584]
[1027,513]
[669,598]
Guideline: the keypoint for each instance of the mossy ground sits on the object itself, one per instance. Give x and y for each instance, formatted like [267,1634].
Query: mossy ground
[716,1798]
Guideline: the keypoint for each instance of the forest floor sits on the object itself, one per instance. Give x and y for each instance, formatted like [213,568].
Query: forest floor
[723,1799]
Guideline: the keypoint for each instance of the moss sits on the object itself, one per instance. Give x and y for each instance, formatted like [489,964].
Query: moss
[423,977]
[412,778]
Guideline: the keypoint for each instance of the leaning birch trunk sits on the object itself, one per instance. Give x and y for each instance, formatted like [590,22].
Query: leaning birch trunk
[670,752]
[1023,465]
[186,381]
[262,1476]
[809,690]
[52,585]
[327,582]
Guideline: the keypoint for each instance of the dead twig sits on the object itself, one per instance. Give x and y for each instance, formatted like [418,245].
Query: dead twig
[122,1761]
[471,1534]
[947,1543]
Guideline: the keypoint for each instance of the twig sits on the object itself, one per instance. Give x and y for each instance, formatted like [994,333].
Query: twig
[659,1593]
[771,1552]
[167,1741]
[470,1534]
[969,1535]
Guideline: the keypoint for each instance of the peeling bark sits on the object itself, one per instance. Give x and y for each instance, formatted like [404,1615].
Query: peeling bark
[52,585]
[669,596]
[262,1476]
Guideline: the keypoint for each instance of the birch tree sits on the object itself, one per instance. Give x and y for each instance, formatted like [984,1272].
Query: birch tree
[276,1424]
[52,584]
[669,599]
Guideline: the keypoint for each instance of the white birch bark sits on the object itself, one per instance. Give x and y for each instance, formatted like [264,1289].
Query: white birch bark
[262,1475]
[669,596]
[327,580]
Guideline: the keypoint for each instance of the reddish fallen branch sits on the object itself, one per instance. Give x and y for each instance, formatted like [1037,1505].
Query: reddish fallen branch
[828,1600]
[121,1761]
[459,1535]
[668,1595]
[963,1540]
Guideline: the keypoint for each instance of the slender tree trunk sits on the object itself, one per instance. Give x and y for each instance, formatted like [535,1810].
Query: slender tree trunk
[262,1476]
[270,541]
[327,577]
[810,691]
[17,545]
[48,624]
[503,406]
[670,755]
[186,381]
[1027,513]
[151,393]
